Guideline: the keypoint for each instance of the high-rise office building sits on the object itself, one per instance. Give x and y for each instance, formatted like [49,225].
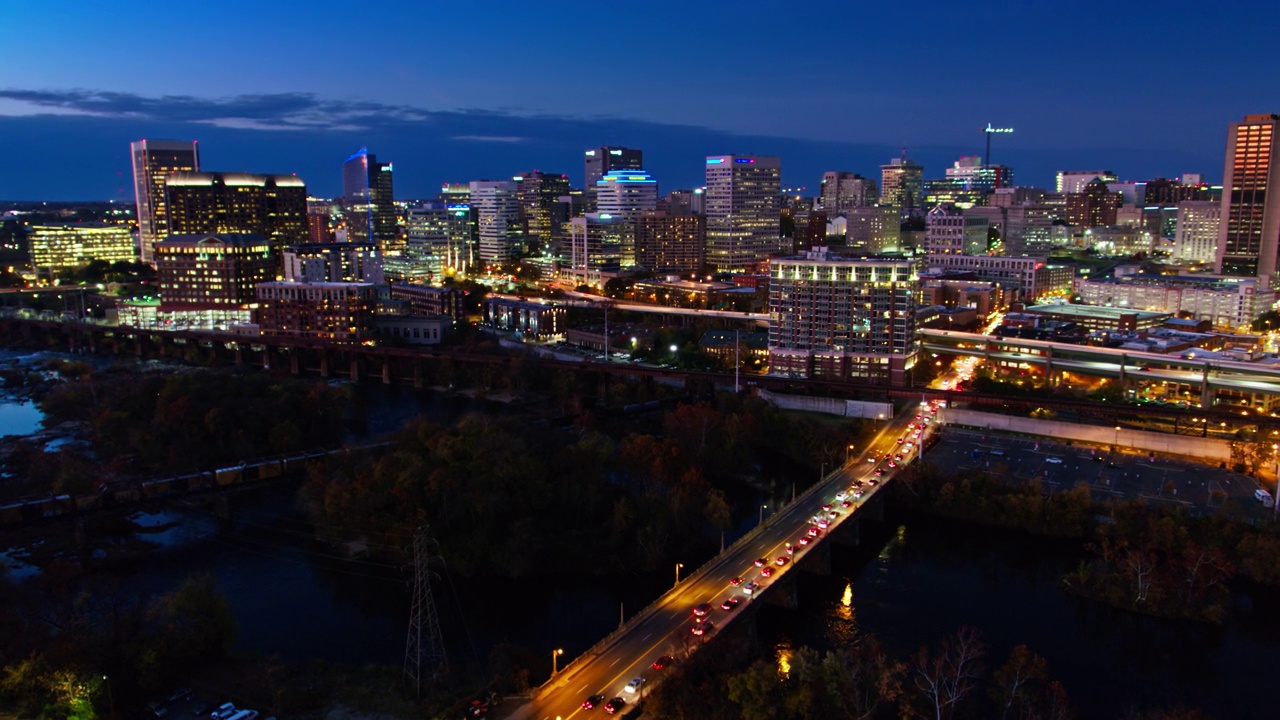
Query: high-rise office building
[153,161]
[498,218]
[1196,236]
[844,190]
[1249,239]
[626,194]
[874,229]
[600,242]
[368,194]
[970,174]
[842,318]
[599,162]
[273,206]
[742,209]
[902,183]
[537,192]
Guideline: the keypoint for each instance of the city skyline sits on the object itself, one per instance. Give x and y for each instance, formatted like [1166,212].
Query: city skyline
[275,100]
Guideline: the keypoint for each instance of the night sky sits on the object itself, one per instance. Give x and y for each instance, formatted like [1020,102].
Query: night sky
[461,90]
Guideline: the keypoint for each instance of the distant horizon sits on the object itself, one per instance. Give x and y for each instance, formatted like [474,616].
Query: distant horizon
[833,86]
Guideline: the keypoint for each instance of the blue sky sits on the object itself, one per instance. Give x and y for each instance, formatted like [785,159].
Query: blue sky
[452,91]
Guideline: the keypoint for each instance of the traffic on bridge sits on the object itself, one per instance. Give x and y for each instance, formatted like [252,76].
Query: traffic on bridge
[622,668]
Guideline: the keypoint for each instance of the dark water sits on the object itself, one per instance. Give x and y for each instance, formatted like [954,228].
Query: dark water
[922,579]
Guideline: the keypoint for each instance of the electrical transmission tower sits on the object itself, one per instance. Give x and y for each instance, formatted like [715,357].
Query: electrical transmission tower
[424,657]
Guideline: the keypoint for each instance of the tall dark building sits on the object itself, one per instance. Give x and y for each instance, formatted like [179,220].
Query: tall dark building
[536,192]
[669,242]
[369,198]
[153,161]
[273,206]
[603,160]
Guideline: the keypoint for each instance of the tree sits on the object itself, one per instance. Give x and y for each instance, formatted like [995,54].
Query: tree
[946,676]
[1015,683]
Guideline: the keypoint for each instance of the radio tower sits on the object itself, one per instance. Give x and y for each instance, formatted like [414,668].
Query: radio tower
[424,659]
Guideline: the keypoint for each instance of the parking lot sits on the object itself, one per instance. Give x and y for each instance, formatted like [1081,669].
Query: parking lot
[1127,474]
[184,704]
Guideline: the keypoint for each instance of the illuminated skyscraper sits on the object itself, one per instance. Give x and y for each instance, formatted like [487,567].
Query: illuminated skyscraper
[1249,238]
[273,206]
[626,194]
[368,195]
[498,215]
[743,211]
[1196,236]
[537,192]
[902,183]
[153,160]
[599,162]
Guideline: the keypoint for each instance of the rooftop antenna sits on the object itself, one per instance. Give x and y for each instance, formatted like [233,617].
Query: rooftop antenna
[989,131]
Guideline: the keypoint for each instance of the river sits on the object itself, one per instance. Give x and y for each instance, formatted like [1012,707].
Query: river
[912,581]
[916,580]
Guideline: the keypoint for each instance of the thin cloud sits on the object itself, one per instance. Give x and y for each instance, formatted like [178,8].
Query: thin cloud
[491,138]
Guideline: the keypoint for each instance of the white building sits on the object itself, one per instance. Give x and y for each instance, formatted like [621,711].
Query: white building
[743,211]
[1119,241]
[498,216]
[1196,237]
[1228,303]
[1026,278]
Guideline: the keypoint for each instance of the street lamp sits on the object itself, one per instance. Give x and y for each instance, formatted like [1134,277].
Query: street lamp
[762,508]
[111,701]
[555,654]
[1115,445]
[848,449]
[678,566]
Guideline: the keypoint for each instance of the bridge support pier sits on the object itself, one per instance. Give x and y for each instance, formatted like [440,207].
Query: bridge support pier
[784,594]
[222,509]
[849,533]
[816,560]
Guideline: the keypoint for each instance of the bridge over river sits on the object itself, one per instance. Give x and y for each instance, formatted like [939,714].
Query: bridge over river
[666,625]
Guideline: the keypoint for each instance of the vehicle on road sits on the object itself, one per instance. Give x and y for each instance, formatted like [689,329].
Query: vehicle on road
[750,587]
[1054,460]
[782,560]
[804,540]
[592,701]
[633,687]
[736,582]
[614,705]
[223,711]
[729,604]
[760,562]
[766,572]
[661,662]
[879,472]
[702,609]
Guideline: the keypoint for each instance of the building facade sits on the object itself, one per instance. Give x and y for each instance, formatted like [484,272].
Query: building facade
[842,191]
[743,211]
[153,161]
[598,162]
[842,319]
[333,263]
[626,194]
[902,183]
[667,242]
[1094,206]
[63,246]
[332,311]
[874,229]
[273,206]
[368,194]
[497,210]
[1073,181]
[1227,303]
[1195,238]
[1249,238]
[211,280]
[951,231]
[1022,278]
[537,193]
